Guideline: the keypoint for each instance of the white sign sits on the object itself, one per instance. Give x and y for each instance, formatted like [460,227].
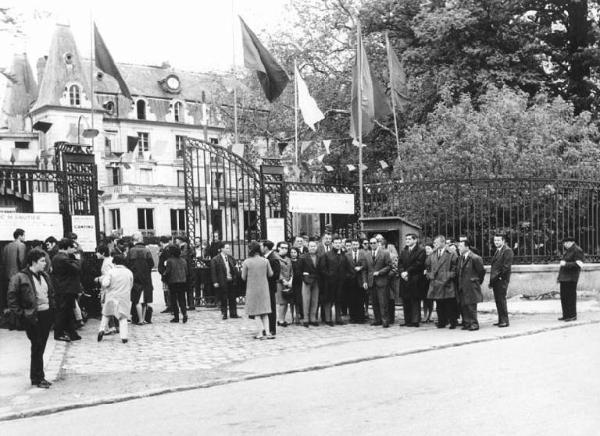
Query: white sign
[45,202]
[36,225]
[321,202]
[275,230]
[85,228]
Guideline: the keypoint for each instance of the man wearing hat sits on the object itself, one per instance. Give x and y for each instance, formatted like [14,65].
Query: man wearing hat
[568,275]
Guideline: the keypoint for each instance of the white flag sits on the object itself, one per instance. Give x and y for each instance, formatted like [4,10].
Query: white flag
[351,167]
[328,168]
[320,157]
[383,164]
[358,144]
[364,167]
[326,143]
[308,106]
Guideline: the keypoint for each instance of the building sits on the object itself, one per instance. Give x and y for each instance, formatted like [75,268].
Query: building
[138,145]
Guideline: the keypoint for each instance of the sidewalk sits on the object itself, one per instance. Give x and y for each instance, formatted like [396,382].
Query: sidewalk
[207,351]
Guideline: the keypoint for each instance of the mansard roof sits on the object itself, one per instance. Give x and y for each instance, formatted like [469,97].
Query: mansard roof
[19,96]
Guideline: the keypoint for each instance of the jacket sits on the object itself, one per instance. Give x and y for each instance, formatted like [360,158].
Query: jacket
[470,277]
[501,265]
[361,276]
[442,275]
[309,269]
[22,300]
[140,262]
[66,274]
[176,270]
[570,272]
[218,272]
[413,263]
[382,265]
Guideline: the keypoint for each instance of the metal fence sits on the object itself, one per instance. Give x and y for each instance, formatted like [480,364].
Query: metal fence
[534,214]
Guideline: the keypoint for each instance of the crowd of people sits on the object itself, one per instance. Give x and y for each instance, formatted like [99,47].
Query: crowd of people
[317,281]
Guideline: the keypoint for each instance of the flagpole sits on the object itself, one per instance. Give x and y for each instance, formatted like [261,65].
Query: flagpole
[359,94]
[392,90]
[92,60]
[295,112]
[235,108]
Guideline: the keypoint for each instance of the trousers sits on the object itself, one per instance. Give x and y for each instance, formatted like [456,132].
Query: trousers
[226,296]
[412,310]
[123,327]
[500,289]
[310,301]
[38,336]
[447,311]
[65,315]
[177,292]
[568,299]
[381,302]
[469,314]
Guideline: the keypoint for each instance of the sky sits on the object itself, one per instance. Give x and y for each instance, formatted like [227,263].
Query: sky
[195,35]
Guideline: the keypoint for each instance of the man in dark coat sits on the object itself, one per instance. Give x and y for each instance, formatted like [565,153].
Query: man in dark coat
[500,277]
[140,262]
[223,273]
[66,280]
[163,255]
[13,261]
[308,265]
[274,261]
[568,276]
[358,283]
[336,270]
[381,267]
[470,277]
[442,285]
[411,266]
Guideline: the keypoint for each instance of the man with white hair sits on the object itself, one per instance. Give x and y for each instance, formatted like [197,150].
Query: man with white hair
[140,262]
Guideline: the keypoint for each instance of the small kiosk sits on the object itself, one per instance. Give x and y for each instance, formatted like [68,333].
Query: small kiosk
[393,228]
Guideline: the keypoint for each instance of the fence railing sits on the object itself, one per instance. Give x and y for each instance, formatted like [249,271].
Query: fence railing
[534,214]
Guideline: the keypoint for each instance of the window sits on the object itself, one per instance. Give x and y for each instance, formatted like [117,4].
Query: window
[21,144]
[177,221]
[114,176]
[180,178]
[74,95]
[146,177]
[107,146]
[178,112]
[145,219]
[143,143]
[141,109]
[214,140]
[115,219]
[179,146]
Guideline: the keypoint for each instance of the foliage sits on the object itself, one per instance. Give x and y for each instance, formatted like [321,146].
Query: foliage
[504,136]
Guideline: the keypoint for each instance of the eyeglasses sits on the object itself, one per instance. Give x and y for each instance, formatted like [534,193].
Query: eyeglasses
[372,243]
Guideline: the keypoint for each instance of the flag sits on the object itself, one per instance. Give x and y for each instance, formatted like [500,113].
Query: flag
[326,143]
[132,143]
[351,167]
[398,82]
[304,145]
[321,157]
[105,62]
[271,75]
[10,76]
[328,168]
[358,144]
[308,106]
[364,167]
[383,164]
[374,105]
[282,146]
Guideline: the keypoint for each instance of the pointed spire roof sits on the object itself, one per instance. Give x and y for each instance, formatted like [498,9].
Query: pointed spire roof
[19,95]
[63,68]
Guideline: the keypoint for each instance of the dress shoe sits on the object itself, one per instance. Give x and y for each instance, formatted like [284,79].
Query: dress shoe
[375,323]
[224,316]
[314,324]
[191,308]
[185,318]
[330,323]
[562,318]
[440,326]
[305,324]
[340,322]
[473,328]
[573,318]
[75,337]
[497,323]
[100,335]
[414,324]
[405,324]
[452,326]
[124,340]
[174,320]
[386,325]
[42,381]
[503,324]
[235,316]
[167,310]
[43,384]
[63,338]
[465,327]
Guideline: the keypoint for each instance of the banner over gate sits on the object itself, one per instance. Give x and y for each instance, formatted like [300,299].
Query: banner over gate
[321,202]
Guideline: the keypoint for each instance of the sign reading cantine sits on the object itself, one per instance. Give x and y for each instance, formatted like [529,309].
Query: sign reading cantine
[36,225]
[321,202]
[85,228]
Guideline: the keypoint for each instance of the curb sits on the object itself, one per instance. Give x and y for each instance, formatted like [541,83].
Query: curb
[155,392]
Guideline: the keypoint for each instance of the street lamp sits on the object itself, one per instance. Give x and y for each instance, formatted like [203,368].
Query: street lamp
[87,133]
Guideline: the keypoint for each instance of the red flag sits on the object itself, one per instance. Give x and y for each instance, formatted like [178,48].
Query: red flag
[105,62]
[271,75]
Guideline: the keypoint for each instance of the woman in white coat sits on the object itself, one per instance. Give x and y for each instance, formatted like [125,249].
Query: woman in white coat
[117,302]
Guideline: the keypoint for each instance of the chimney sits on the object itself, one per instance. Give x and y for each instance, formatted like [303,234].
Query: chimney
[41,66]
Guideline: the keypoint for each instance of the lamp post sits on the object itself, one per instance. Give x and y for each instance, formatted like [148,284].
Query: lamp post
[87,133]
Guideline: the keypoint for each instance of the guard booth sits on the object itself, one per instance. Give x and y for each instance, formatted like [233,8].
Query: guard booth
[393,228]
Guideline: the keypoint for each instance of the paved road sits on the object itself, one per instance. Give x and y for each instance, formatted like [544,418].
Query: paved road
[542,384]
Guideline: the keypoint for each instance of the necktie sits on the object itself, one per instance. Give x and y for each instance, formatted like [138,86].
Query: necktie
[373,254]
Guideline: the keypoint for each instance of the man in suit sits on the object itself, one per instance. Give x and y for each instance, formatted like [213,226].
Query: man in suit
[336,270]
[299,244]
[381,266]
[568,276]
[442,286]
[500,276]
[274,261]
[163,254]
[325,245]
[310,284]
[470,277]
[411,265]
[13,261]
[358,283]
[223,275]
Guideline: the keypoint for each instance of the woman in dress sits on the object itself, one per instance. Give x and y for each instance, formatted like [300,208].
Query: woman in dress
[284,295]
[118,282]
[255,271]
[296,284]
